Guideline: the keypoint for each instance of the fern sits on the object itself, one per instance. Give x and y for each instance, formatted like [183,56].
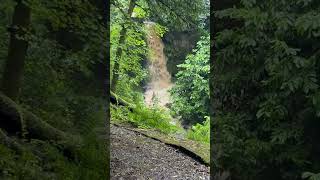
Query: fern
[200,132]
[310,176]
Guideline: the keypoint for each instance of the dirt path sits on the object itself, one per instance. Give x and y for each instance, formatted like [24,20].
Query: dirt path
[136,157]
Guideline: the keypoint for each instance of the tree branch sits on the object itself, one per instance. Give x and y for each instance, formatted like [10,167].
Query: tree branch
[188,21]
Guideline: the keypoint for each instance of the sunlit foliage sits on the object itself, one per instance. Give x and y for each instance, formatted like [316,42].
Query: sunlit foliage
[190,94]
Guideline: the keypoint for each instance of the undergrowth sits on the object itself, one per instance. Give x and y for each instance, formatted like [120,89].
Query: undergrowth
[48,163]
[145,117]
[43,160]
[200,132]
[158,118]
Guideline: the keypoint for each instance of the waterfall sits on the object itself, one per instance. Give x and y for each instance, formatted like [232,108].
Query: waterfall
[160,78]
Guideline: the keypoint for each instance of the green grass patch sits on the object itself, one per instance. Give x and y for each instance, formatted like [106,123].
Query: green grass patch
[144,117]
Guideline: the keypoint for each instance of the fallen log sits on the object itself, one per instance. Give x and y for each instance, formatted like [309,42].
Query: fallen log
[11,118]
[16,120]
[118,101]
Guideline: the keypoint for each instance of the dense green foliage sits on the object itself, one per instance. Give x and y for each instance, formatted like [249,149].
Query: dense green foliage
[178,14]
[200,132]
[190,95]
[62,84]
[134,50]
[266,89]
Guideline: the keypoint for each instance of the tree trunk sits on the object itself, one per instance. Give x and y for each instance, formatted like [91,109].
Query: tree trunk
[17,51]
[106,21]
[123,32]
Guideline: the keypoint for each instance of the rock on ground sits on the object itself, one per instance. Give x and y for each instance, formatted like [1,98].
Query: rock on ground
[136,157]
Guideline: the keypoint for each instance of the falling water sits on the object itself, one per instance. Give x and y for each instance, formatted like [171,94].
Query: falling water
[160,78]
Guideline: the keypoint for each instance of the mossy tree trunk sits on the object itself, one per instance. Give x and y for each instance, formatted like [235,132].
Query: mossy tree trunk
[15,120]
[123,32]
[104,11]
[17,50]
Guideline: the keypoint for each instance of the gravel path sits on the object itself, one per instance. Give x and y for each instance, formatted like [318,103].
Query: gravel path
[136,157]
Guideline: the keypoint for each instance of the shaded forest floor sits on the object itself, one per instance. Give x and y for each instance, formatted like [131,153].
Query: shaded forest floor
[136,156]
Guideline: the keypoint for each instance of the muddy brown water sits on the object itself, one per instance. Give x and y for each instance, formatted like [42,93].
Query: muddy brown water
[160,78]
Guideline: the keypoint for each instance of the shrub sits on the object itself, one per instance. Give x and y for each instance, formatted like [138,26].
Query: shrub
[200,132]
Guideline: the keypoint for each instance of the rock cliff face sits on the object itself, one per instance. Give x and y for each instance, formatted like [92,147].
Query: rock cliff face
[177,45]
